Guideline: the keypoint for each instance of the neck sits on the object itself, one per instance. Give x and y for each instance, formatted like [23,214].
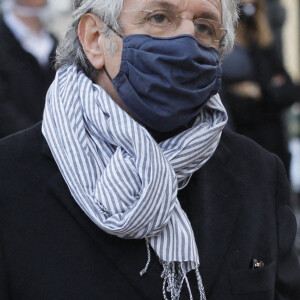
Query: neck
[31,22]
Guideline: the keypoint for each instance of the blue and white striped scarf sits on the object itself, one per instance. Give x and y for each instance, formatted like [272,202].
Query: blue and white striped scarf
[122,179]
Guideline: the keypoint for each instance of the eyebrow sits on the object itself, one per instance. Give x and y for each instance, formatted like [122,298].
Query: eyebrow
[164,4]
[209,15]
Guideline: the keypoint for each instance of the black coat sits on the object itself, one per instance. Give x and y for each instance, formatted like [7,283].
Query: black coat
[23,84]
[236,204]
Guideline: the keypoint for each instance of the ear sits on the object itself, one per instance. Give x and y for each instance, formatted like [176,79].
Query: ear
[89,36]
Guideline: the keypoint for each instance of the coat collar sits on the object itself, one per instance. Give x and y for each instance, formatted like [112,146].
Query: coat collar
[211,201]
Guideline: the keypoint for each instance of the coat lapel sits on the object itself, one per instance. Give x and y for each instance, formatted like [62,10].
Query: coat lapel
[211,201]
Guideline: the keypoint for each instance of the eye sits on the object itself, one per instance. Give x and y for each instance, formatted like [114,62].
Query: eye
[159,19]
[204,29]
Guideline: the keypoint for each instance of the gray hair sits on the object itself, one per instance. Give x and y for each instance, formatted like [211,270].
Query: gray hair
[70,50]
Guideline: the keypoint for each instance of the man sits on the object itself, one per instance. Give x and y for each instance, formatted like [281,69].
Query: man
[25,58]
[130,151]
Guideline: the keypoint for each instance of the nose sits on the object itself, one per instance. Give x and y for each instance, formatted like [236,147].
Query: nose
[186,27]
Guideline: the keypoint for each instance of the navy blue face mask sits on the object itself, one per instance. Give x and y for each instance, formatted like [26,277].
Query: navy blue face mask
[165,82]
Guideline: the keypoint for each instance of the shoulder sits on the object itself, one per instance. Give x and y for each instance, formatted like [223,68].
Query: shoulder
[258,170]
[21,158]
[244,151]
[22,144]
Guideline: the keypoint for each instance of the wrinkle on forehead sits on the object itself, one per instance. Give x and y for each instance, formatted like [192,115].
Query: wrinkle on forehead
[184,3]
[216,3]
[189,8]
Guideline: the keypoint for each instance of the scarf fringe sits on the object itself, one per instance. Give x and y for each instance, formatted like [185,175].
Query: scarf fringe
[148,259]
[173,278]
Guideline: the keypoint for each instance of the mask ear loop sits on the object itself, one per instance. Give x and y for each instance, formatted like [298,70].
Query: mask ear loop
[105,70]
[119,35]
[116,32]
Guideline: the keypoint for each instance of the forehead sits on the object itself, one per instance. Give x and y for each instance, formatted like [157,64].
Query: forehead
[195,7]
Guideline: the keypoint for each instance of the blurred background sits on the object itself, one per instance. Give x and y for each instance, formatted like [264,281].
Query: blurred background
[263,97]
[266,94]
[291,53]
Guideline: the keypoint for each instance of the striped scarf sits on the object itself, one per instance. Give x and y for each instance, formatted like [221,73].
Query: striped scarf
[122,179]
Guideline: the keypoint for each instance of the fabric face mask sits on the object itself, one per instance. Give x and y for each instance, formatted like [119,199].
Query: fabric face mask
[165,81]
